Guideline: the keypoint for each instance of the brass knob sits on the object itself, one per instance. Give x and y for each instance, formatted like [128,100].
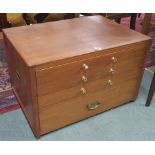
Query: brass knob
[112,71]
[83,90]
[85,66]
[114,59]
[84,79]
[110,82]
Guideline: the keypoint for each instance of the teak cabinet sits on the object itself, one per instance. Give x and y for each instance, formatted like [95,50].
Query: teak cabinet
[66,71]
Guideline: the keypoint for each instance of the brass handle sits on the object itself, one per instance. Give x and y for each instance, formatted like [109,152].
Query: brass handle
[83,90]
[85,66]
[110,82]
[114,59]
[18,75]
[112,71]
[93,106]
[84,79]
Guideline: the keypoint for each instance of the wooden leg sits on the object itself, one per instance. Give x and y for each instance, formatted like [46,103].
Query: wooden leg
[151,91]
[133,21]
[146,23]
[139,14]
[118,20]
[3,21]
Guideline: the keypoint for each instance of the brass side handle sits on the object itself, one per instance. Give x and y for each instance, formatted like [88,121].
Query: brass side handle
[84,78]
[18,75]
[114,59]
[94,105]
[84,66]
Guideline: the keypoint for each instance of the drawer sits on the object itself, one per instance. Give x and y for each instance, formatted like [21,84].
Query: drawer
[91,87]
[61,114]
[70,75]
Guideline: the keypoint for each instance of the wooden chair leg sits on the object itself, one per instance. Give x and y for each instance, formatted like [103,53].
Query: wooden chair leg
[151,92]
[3,21]
[133,21]
[146,23]
[118,20]
[139,14]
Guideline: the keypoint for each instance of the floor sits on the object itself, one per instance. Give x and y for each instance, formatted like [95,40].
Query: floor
[132,121]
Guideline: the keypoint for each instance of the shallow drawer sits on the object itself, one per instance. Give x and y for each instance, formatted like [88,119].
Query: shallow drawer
[91,87]
[61,114]
[70,75]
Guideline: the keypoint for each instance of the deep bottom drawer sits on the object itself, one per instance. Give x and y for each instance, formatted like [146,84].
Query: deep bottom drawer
[64,113]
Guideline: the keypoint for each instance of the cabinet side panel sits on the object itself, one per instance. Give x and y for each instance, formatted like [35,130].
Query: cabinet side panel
[21,76]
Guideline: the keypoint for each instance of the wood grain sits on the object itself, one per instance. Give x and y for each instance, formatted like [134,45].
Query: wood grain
[70,111]
[69,75]
[45,65]
[58,40]
[21,79]
[92,87]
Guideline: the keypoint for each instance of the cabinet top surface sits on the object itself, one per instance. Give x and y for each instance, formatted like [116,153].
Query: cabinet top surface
[52,41]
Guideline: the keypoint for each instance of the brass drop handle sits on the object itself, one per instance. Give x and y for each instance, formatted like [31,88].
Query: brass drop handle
[85,66]
[112,71]
[84,79]
[110,82]
[114,59]
[94,105]
[83,90]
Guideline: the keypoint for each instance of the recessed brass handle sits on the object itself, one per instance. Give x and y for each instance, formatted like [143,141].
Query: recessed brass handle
[85,66]
[93,106]
[114,59]
[83,90]
[110,82]
[84,79]
[112,71]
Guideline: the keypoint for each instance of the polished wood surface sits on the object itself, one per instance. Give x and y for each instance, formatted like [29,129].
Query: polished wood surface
[100,77]
[23,83]
[63,113]
[45,65]
[99,67]
[56,105]
[54,41]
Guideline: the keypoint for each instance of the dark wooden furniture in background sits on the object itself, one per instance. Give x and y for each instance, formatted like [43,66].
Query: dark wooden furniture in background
[131,15]
[117,17]
[24,19]
[146,23]
[63,74]
[145,30]
[3,21]
[151,91]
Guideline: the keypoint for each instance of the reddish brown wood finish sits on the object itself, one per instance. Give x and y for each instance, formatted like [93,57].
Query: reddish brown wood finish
[24,86]
[53,41]
[45,64]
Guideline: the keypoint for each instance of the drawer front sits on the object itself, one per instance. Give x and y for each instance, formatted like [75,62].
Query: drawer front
[91,87]
[61,114]
[70,75]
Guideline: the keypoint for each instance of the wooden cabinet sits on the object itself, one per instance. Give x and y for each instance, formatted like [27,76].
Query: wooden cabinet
[66,71]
